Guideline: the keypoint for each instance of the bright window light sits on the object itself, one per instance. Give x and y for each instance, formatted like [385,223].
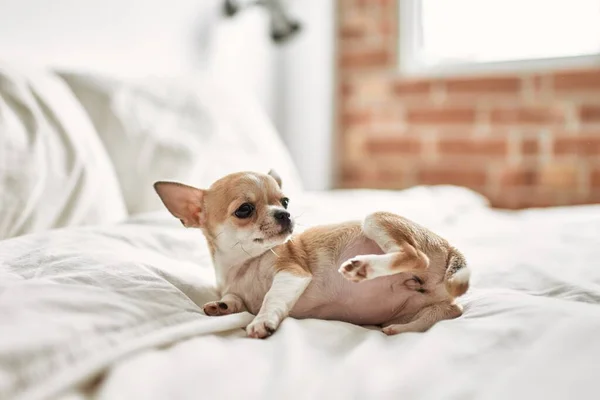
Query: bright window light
[468,34]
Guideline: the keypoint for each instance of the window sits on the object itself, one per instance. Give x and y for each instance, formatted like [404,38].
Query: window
[453,36]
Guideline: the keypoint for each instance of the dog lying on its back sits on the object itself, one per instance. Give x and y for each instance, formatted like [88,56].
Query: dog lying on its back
[385,271]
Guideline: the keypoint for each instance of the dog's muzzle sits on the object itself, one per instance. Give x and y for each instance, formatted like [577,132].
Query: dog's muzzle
[284,220]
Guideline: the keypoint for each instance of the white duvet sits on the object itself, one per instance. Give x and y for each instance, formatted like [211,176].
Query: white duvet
[115,313]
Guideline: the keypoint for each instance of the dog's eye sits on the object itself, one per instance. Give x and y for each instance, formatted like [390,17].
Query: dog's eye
[244,211]
[284,202]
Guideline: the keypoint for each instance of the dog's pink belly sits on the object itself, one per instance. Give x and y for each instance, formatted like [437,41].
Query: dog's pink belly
[373,302]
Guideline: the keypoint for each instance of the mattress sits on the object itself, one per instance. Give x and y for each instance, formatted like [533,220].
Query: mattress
[114,312]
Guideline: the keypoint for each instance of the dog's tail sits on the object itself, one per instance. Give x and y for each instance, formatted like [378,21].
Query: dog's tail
[457,274]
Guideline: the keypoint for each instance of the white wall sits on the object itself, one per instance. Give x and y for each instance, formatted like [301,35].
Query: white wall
[294,81]
[109,35]
[305,116]
[140,37]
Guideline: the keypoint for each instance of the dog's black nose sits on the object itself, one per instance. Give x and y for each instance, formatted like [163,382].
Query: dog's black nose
[282,217]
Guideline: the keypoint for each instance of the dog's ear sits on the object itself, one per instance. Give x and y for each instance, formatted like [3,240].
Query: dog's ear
[184,202]
[275,176]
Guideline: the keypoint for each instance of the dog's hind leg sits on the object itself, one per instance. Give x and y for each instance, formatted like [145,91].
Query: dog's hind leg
[393,235]
[229,304]
[425,318]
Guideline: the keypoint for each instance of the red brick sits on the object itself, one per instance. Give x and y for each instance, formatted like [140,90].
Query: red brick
[365,58]
[354,173]
[389,176]
[405,87]
[483,147]
[492,85]
[389,118]
[578,145]
[350,173]
[441,116]
[372,88]
[373,175]
[373,3]
[584,80]
[593,197]
[386,28]
[527,115]
[448,174]
[359,28]
[517,176]
[356,117]
[346,89]
[595,179]
[538,82]
[558,176]
[346,4]
[393,145]
[589,113]
[523,198]
[504,201]
[352,30]
[353,144]
[530,146]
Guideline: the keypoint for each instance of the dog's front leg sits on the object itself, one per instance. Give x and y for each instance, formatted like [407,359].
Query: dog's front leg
[288,285]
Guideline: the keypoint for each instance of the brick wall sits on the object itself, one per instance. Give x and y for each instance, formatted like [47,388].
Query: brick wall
[528,139]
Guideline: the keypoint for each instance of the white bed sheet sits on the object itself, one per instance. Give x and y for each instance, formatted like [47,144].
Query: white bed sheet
[125,301]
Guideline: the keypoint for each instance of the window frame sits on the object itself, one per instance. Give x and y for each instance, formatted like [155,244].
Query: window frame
[409,31]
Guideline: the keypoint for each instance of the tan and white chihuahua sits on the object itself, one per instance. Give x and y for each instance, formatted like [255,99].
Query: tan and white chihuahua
[385,271]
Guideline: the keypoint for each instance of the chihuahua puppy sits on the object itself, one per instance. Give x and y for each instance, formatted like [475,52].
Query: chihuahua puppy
[386,270]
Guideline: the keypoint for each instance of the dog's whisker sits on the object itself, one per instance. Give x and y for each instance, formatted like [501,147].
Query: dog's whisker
[273,251]
[245,250]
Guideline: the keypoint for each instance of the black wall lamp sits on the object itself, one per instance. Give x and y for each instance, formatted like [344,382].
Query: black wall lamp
[283,27]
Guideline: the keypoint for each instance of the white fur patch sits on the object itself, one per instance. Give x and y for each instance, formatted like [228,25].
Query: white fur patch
[279,301]
[462,275]
[284,292]
[373,231]
[235,246]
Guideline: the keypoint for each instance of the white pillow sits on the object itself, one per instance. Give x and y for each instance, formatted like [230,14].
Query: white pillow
[193,130]
[54,171]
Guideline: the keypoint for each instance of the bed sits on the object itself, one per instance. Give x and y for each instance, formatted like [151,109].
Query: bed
[101,290]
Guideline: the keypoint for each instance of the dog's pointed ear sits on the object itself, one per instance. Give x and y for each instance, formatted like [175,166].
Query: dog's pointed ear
[184,202]
[273,174]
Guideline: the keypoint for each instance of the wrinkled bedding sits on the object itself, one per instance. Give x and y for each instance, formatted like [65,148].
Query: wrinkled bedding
[54,171]
[114,312]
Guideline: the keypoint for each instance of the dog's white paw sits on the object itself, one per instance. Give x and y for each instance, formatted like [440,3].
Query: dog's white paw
[262,327]
[356,269]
